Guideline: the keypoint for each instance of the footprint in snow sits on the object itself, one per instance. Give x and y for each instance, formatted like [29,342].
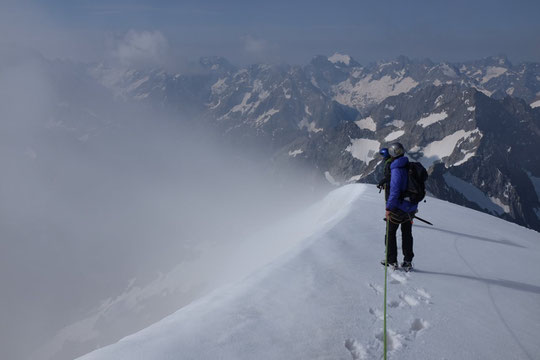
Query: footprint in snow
[358,352]
[377,313]
[377,288]
[418,325]
[394,341]
[411,301]
[424,295]
[410,297]
[397,279]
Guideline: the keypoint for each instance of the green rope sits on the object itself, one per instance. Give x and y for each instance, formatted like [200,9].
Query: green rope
[385,276]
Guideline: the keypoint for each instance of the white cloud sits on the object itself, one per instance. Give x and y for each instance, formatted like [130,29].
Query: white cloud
[259,50]
[143,48]
[254,46]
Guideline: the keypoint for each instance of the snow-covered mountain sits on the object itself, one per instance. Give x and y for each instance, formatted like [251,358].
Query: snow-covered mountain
[474,292]
[334,114]
[338,77]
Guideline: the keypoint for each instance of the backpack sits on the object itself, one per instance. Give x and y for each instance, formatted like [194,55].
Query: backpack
[416,178]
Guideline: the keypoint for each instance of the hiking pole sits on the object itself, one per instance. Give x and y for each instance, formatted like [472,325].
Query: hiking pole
[422,220]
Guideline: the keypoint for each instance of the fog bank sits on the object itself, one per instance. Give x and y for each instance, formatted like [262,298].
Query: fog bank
[99,196]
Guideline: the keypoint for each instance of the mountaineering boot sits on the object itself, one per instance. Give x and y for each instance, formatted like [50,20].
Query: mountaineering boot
[394,265]
[406,266]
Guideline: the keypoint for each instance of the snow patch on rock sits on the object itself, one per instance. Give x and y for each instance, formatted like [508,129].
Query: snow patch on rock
[438,150]
[243,106]
[369,91]
[396,123]
[354,178]
[293,153]
[500,204]
[137,83]
[265,117]
[432,119]
[493,72]
[219,86]
[286,93]
[394,135]
[364,150]
[466,158]
[367,124]
[448,71]
[345,59]
[439,100]
[309,126]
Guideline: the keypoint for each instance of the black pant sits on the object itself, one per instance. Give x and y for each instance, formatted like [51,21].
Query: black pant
[406,241]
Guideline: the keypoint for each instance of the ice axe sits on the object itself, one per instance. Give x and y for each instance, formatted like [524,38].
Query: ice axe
[422,220]
[419,218]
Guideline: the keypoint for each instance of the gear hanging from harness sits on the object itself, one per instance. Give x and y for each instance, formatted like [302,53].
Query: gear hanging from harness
[399,216]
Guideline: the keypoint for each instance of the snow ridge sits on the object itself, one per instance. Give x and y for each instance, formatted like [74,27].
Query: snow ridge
[323,298]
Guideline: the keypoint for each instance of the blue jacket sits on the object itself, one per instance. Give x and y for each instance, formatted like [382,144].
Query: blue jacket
[398,184]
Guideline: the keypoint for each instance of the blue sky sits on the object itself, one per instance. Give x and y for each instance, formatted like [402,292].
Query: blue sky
[288,31]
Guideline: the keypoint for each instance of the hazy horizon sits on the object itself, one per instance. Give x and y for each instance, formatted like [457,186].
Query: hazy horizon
[173,34]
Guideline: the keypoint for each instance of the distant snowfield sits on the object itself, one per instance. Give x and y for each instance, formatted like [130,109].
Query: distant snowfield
[438,150]
[396,123]
[368,91]
[473,295]
[219,86]
[367,123]
[432,119]
[364,149]
[493,72]
[346,59]
[394,135]
[296,152]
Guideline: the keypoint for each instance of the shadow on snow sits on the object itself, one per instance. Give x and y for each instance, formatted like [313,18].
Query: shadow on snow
[476,237]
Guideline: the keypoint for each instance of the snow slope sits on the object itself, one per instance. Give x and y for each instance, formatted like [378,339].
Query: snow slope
[473,295]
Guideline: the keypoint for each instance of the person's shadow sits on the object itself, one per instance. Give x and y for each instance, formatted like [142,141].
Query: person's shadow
[509,284]
[499,282]
[516,285]
[475,237]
